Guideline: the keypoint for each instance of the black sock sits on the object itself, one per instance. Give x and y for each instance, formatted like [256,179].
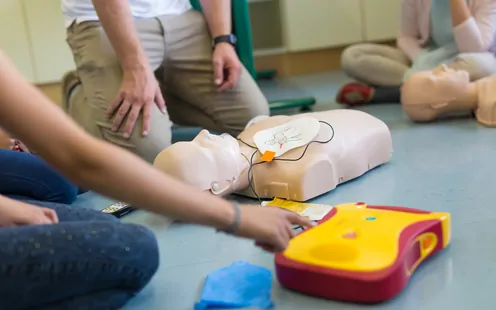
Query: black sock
[386,94]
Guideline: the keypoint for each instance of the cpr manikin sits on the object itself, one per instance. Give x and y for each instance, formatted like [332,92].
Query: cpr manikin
[429,95]
[221,163]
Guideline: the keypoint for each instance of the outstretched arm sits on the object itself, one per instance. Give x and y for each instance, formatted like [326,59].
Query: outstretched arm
[408,33]
[218,16]
[27,114]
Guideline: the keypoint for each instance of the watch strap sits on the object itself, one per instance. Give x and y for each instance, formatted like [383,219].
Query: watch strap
[228,38]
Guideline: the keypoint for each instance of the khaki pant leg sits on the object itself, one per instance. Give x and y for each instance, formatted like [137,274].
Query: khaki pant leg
[101,77]
[191,94]
[375,64]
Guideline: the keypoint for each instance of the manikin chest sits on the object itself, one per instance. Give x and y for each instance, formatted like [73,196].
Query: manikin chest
[292,179]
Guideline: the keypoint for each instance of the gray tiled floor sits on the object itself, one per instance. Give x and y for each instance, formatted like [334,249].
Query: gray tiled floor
[444,166]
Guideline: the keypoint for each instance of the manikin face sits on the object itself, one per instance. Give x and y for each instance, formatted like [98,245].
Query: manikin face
[223,150]
[427,93]
[209,162]
[207,140]
[450,79]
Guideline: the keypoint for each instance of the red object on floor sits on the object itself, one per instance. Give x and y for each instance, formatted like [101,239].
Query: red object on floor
[354,94]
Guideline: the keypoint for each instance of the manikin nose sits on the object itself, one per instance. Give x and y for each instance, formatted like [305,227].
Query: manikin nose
[205,133]
[441,68]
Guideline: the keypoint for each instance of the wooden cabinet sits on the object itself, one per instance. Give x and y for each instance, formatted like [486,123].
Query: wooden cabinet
[380,19]
[318,24]
[14,38]
[51,55]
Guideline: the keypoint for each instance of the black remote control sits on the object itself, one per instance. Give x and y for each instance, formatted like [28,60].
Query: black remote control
[119,209]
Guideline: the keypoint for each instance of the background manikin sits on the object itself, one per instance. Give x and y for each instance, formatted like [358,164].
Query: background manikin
[220,164]
[446,91]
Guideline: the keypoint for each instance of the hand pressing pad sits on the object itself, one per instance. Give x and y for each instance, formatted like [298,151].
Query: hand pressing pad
[239,285]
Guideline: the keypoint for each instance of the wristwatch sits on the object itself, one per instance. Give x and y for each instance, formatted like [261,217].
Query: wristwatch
[228,38]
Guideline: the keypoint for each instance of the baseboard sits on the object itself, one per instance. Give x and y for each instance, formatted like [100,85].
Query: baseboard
[296,63]
[291,63]
[269,51]
[52,91]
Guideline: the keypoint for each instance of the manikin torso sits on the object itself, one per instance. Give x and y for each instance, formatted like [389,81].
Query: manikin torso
[486,101]
[360,143]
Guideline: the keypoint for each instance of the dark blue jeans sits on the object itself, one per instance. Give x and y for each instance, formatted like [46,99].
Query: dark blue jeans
[89,260]
[27,175]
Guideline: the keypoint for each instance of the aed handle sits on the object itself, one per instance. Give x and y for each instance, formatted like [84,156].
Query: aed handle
[427,243]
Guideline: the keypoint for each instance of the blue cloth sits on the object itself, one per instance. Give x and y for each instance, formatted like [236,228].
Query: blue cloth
[90,260]
[27,175]
[441,23]
[239,285]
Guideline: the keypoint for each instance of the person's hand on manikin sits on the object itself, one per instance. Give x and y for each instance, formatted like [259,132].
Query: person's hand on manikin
[138,93]
[227,67]
[271,228]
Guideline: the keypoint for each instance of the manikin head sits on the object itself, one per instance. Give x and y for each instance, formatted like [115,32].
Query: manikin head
[425,95]
[208,162]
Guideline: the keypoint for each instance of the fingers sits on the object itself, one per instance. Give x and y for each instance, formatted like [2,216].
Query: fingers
[285,233]
[42,220]
[283,238]
[271,247]
[280,240]
[233,75]
[299,220]
[115,105]
[24,148]
[31,218]
[291,231]
[120,115]
[226,84]
[51,215]
[218,67]
[132,118]
[147,119]
[265,246]
[159,101]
